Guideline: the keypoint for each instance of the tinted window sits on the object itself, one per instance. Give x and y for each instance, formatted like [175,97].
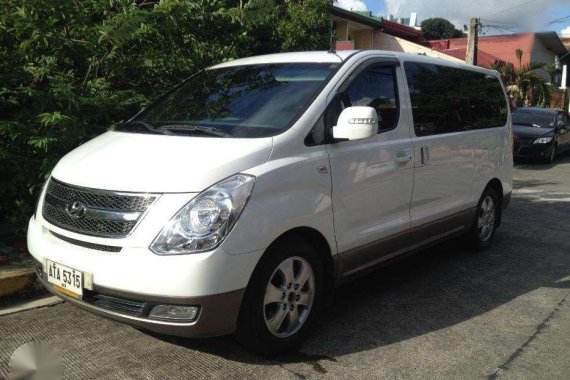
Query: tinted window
[487,100]
[446,99]
[242,101]
[375,87]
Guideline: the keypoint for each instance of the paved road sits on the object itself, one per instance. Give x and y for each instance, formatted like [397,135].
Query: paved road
[445,313]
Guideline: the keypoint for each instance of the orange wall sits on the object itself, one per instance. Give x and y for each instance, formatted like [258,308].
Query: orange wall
[502,47]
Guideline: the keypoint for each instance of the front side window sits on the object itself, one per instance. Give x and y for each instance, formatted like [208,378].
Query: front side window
[447,99]
[376,88]
[242,101]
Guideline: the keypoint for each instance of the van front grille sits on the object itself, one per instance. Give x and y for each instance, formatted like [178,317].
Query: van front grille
[93,212]
[99,199]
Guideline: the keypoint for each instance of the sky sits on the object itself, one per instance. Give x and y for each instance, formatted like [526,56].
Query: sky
[498,17]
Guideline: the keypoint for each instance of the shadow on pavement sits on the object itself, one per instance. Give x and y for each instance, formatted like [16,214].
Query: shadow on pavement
[535,164]
[433,289]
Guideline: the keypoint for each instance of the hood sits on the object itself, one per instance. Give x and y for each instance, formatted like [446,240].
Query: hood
[523,131]
[139,162]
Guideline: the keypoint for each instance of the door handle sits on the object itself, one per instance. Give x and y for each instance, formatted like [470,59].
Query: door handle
[421,156]
[425,155]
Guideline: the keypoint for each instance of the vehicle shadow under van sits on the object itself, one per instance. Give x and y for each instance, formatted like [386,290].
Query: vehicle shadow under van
[435,289]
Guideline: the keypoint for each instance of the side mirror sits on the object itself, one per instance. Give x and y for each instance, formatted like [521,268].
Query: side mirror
[355,123]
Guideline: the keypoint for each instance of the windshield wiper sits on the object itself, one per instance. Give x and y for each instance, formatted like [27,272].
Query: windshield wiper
[195,128]
[147,126]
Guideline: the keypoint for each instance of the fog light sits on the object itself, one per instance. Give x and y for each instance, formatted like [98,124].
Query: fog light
[175,313]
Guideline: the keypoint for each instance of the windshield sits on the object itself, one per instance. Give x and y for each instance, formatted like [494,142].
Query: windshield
[243,101]
[534,119]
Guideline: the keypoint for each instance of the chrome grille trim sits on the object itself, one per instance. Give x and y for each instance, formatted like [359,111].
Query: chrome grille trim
[94,213]
[100,199]
[106,213]
[84,244]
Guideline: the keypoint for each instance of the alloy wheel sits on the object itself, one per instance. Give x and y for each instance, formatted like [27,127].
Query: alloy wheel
[486,218]
[289,297]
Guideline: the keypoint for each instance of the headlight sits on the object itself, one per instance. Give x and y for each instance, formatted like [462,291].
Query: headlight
[204,222]
[543,140]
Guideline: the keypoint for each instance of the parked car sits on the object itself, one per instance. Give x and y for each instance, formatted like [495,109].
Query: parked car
[236,202]
[542,132]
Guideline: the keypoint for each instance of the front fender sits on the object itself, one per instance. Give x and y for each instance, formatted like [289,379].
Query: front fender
[288,193]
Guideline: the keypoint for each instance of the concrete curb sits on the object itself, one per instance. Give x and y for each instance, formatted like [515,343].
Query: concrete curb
[42,302]
[15,280]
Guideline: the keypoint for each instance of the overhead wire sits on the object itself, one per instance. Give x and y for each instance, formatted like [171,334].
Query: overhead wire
[559,20]
[510,8]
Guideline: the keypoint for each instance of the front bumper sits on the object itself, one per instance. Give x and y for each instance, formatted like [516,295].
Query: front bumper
[218,313]
[134,277]
[534,151]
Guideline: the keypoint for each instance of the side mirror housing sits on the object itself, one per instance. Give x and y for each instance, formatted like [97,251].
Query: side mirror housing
[355,123]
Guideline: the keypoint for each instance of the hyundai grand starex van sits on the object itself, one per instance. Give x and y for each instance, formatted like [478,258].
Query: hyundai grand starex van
[236,202]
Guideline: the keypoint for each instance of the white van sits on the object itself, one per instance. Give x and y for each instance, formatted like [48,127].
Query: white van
[236,202]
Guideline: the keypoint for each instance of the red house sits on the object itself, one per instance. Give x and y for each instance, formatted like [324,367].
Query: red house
[536,48]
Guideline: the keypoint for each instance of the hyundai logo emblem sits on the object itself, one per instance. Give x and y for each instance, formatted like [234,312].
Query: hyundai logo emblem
[76,210]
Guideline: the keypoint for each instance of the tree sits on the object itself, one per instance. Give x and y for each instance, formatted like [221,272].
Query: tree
[530,88]
[250,11]
[70,70]
[292,25]
[303,25]
[552,71]
[524,87]
[519,55]
[439,29]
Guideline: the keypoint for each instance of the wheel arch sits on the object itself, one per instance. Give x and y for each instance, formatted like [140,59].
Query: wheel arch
[319,242]
[497,186]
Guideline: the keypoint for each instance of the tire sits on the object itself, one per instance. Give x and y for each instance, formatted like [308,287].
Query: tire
[267,327]
[486,221]
[552,155]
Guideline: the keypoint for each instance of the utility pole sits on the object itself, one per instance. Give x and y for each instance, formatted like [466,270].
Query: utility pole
[471,56]
[332,37]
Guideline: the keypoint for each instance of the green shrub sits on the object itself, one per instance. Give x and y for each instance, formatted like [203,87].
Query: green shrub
[70,69]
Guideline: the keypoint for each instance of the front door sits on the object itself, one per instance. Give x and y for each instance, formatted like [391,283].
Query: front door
[372,178]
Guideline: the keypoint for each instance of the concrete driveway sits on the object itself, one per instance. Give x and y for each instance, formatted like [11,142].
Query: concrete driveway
[444,313]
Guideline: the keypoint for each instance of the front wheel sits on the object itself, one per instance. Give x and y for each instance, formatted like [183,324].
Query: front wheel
[485,223]
[282,299]
[552,154]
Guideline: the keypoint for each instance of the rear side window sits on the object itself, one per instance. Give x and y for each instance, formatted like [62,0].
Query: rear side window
[446,99]
[489,107]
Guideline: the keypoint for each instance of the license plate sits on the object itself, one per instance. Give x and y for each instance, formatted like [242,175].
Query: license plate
[64,279]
